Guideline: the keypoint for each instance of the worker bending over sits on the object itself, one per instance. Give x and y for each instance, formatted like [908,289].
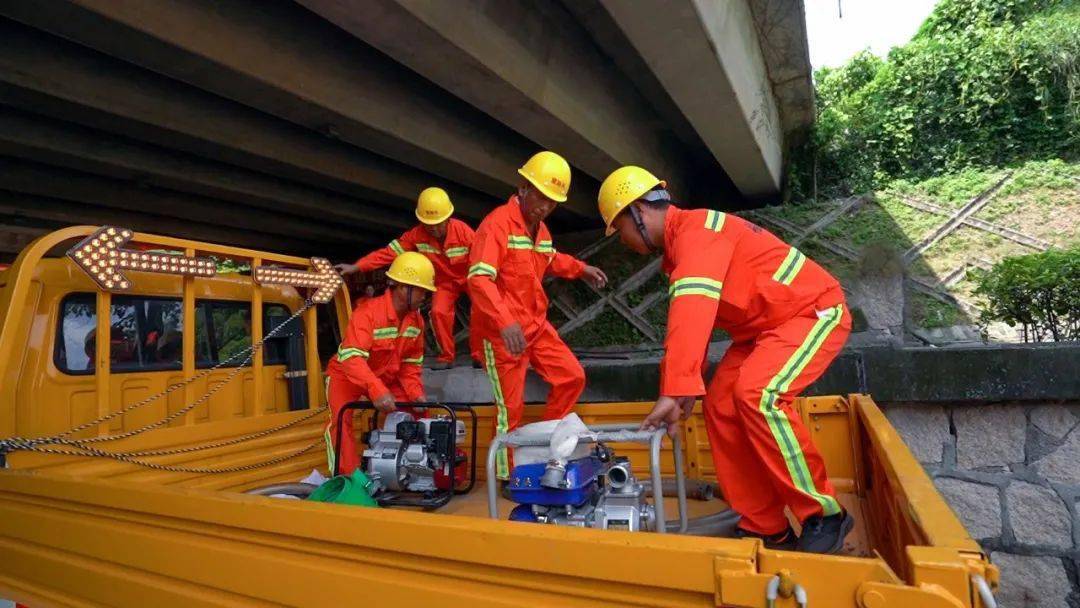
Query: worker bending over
[510,256]
[380,358]
[787,320]
[445,241]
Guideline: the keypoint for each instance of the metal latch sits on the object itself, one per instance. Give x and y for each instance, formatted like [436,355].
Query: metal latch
[738,583]
[742,589]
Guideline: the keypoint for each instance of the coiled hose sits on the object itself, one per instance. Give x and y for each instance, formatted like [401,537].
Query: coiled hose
[299,490]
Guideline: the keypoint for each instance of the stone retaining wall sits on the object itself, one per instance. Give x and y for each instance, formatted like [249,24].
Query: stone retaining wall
[1011,472]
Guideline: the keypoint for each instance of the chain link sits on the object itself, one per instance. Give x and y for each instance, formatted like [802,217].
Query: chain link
[13,444]
[226,443]
[209,446]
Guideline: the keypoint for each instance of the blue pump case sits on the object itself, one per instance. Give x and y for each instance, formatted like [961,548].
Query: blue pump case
[581,477]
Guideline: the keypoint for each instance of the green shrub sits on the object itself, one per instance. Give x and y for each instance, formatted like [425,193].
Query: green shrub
[1038,292]
[984,82]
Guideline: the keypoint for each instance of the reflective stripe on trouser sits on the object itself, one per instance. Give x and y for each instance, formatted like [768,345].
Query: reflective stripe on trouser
[756,434]
[338,393]
[502,466]
[553,361]
[442,321]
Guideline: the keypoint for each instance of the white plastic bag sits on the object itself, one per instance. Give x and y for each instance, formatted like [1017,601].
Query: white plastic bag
[316,478]
[563,439]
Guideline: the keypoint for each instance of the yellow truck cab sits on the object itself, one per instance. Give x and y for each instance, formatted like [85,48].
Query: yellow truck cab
[136,497]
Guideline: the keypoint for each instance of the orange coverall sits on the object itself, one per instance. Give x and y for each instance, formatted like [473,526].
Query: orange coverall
[451,260]
[506,271]
[380,354]
[787,321]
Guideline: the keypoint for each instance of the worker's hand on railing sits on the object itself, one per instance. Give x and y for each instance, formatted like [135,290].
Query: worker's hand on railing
[346,269]
[514,339]
[594,276]
[687,405]
[667,411]
[384,403]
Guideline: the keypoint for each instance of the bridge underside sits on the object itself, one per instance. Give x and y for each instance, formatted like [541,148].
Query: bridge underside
[310,127]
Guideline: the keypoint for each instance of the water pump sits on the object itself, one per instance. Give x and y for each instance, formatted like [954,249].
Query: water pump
[598,491]
[592,487]
[414,455]
[417,462]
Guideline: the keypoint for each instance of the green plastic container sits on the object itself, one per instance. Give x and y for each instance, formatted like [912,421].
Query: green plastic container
[346,490]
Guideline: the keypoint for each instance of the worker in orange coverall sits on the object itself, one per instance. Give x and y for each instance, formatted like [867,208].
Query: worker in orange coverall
[381,356]
[511,255]
[787,320]
[445,241]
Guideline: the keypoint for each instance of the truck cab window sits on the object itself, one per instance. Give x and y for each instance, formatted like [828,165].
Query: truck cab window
[79,329]
[230,329]
[147,333]
[161,332]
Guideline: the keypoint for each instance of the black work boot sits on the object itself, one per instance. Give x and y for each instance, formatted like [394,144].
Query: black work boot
[825,534]
[784,541]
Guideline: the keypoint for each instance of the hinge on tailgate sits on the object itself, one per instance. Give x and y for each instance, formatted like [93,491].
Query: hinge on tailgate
[873,594]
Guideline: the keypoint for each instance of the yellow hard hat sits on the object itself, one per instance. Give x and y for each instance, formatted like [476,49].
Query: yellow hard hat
[624,186]
[412,268]
[550,173]
[433,206]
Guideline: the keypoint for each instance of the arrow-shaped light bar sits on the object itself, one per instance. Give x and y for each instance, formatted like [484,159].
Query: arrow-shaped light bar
[102,256]
[325,280]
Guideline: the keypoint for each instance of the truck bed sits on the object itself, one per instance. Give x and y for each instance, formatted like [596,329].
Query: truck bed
[98,532]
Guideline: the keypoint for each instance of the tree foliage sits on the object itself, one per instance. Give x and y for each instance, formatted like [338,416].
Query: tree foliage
[983,82]
[1039,293]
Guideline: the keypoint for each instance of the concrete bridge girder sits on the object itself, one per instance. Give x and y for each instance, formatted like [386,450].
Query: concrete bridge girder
[46,214]
[42,74]
[288,63]
[726,96]
[528,65]
[40,180]
[65,145]
[331,115]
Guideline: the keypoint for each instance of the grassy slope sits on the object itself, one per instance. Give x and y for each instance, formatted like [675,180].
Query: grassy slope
[1042,200]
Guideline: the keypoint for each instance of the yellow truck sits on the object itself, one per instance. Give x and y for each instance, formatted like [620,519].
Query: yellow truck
[126,463]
